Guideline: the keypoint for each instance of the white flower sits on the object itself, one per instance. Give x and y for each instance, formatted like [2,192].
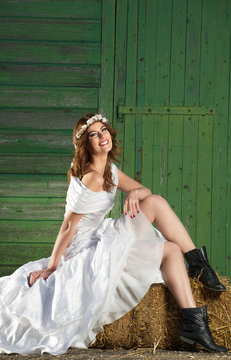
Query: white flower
[84,126]
[104,120]
[89,122]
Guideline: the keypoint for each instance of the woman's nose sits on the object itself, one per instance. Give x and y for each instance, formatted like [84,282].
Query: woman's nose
[100,135]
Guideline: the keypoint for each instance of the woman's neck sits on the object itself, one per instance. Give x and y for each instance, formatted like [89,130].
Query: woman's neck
[99,163]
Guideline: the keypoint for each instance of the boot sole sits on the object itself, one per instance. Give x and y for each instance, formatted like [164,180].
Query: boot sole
[207,287]
[216,290]
[193,342]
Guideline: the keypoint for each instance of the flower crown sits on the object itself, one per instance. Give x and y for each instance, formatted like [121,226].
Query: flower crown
[97,117]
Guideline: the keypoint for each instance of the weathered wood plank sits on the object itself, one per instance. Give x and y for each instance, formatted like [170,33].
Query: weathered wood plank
[50,52]
[52,97]
[228,192]
[163,51]
[50,29]
[149,75]
[33,185]
[89,9]
[150,63]
[119,82]
[35,141]
[20,253]
[192,81]
[23,208]
[18,231]
[120,60]
[39,119]
[193,53]
[129,123]
[166,110]
[131,53]
[190,157]
[140,87]
[205,134]
[219,179]
[175,150]
[107,59]
[147,151]
[40,164]
[177,79]
[129,147]
[178,53]
[50,75]
[204,179]
[163,48]
[160,155]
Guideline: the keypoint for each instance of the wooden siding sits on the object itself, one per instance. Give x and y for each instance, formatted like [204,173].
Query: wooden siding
[59,59]
[169,54]
[50,64]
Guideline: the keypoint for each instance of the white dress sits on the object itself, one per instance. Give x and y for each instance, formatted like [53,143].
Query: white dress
[107,268]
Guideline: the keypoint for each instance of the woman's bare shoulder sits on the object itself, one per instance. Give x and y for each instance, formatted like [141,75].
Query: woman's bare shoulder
[93,181]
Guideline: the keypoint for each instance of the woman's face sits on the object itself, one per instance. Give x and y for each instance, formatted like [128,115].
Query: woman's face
[99,138]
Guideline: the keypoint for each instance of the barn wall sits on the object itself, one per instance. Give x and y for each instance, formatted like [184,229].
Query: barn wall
[174,110]
[50,64]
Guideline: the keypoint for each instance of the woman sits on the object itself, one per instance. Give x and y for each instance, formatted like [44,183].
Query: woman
[101,268]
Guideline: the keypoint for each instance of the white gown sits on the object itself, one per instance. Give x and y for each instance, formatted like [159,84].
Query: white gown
[105,271]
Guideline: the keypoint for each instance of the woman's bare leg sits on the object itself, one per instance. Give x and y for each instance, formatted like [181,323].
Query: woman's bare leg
[157,209]
[175,275]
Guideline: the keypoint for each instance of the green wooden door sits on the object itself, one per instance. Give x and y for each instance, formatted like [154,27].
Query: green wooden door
[60,59]
[51,64]
[173,110]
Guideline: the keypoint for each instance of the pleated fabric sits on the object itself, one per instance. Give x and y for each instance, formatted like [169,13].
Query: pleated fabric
[107,268]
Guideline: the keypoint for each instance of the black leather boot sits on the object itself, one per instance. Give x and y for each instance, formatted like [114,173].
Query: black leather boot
[195,329]
[199,267]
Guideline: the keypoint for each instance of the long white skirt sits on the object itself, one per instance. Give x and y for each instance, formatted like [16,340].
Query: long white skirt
[94,287]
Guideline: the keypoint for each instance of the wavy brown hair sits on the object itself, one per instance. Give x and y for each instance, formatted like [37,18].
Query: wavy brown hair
[82,155]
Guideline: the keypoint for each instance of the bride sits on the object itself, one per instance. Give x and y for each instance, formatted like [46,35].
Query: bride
[101,268]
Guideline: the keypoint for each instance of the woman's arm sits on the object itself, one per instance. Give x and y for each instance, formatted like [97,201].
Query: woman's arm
[135,192]
[65,235]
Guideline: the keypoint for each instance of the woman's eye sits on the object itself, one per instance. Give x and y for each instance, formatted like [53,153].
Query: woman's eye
[104,129]
[93,134]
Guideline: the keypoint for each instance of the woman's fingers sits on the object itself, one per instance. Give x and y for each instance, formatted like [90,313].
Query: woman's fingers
[33,277]
[132,207]
[125,207]
[137,207]
[131,204]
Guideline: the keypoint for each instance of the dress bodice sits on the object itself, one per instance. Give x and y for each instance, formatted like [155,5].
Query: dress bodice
[94,206]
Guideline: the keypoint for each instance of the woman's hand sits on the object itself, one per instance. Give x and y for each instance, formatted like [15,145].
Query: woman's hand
[131,203]
[39,274]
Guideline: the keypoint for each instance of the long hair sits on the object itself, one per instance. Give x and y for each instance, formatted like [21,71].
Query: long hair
[82,156]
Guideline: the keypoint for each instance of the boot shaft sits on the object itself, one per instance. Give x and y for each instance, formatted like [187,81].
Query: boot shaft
[198,266]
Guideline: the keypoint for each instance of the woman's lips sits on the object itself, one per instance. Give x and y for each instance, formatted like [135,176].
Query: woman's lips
[103,143]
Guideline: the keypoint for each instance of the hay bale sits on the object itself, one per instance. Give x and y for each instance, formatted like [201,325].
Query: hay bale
[156,321]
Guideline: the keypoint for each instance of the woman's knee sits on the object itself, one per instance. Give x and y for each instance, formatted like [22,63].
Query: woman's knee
[171,249]
[155,201]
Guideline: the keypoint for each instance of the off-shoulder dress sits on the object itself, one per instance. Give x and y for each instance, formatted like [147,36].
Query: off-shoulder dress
[105,271]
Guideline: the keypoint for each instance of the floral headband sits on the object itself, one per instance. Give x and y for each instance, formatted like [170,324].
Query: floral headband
[97,117]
